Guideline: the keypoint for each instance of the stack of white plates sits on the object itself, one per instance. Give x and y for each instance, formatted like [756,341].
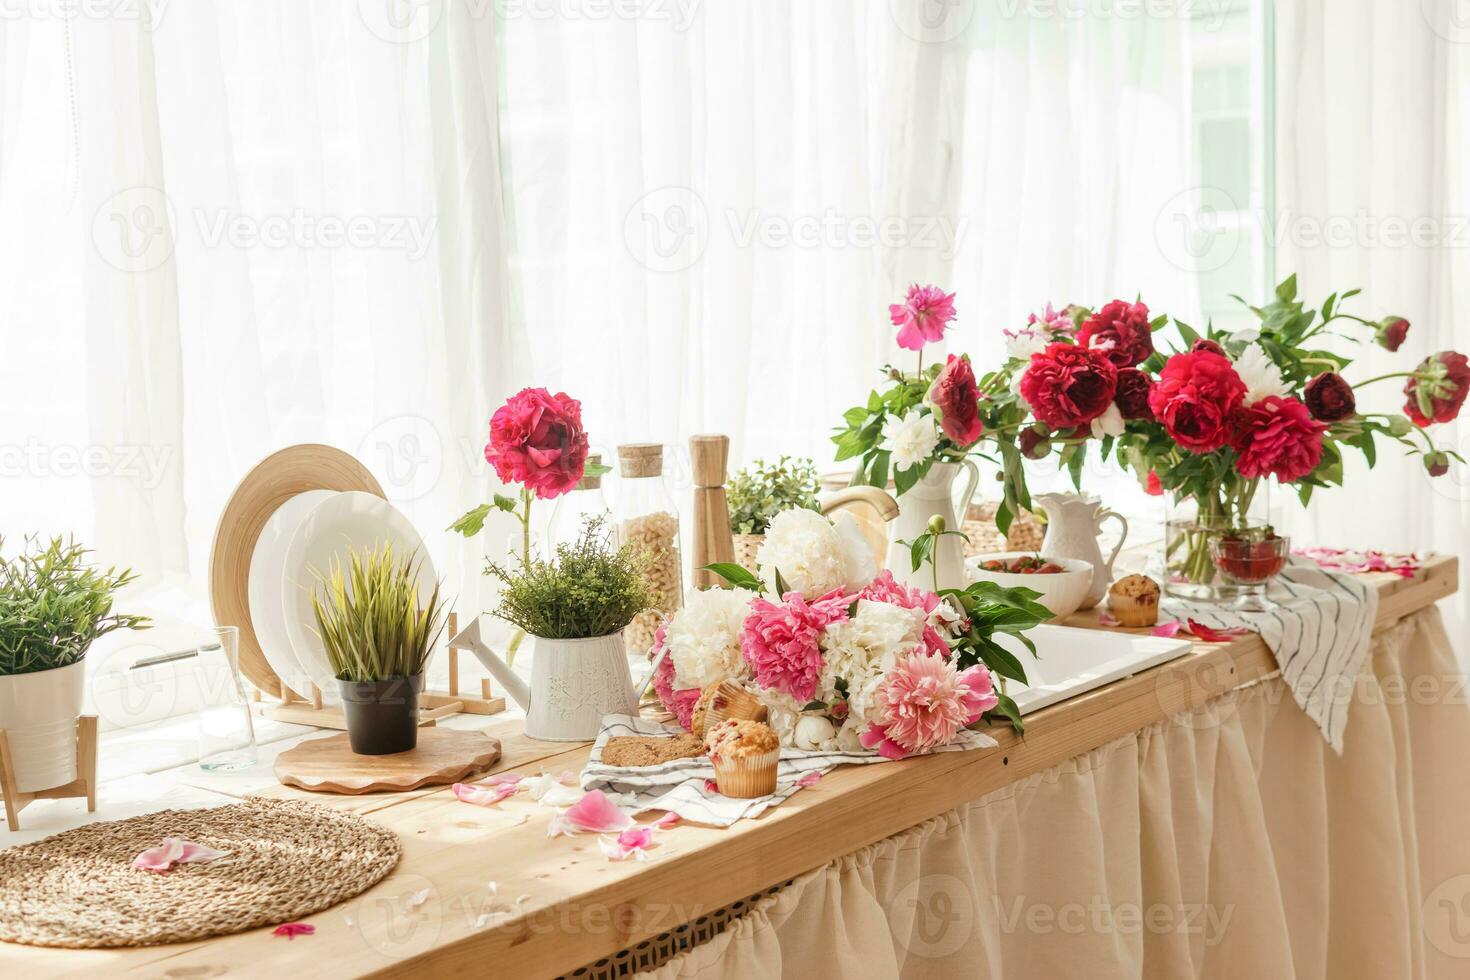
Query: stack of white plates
[310,533]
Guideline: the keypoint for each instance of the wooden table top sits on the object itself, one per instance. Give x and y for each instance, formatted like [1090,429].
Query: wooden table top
[505,900]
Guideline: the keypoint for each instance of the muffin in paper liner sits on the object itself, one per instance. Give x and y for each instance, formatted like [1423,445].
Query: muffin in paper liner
[747,777]
[1134,601]
[730,700]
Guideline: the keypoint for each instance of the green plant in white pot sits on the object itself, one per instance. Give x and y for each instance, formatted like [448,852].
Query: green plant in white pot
[378,629]
[760,492]
[53,605]
[575,609]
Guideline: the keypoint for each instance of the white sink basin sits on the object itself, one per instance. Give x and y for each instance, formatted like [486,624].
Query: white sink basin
[1071,661]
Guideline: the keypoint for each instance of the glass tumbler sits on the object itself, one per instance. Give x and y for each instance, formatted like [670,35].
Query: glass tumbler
[226,728]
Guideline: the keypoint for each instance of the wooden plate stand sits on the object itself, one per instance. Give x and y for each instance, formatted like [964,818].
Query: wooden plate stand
[84,785]
[273,481]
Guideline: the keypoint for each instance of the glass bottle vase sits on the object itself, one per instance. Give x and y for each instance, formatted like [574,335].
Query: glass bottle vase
[1192,530]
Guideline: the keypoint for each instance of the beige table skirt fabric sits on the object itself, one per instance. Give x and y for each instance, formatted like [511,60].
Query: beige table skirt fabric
[1225,842]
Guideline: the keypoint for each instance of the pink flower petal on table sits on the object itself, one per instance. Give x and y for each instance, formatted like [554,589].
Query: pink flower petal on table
[668,820]
[549,790]
[293,929]
[174,851]
[810,779]
[1212,634]
[1168,629]
[594,813]
[503,778]
[483,795]
[710,786]
[1105,618]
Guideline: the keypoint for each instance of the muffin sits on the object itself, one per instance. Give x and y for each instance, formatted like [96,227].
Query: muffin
[744,754]
[698,718]
[1134,600]
[727,700]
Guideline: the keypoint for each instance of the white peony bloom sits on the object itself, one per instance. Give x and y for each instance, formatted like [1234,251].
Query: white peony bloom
[813,733]
[1261,375]
[861,650]
[1109,423]
[911,439]
[813,555]
[703,638]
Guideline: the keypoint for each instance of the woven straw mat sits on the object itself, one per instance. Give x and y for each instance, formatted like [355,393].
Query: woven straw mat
[288,859]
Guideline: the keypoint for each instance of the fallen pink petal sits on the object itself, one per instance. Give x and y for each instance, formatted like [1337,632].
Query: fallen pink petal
[810,779]
[668,820]
[594,813]
[502,778]
[1105,618]
[483,795]
[293,929]
[1211,634]
[710,786]
[174,851]
[1168,629]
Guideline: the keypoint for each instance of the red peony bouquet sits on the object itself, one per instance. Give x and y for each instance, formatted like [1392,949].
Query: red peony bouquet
[1209,421]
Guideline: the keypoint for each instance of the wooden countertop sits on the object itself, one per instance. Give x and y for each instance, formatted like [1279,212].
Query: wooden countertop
[504,900]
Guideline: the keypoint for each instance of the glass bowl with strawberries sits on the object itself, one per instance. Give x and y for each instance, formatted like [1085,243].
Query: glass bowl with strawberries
[1249,559]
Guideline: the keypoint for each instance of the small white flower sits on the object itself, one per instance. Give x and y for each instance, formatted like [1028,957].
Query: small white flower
[813,732]
[1261,375]
[1109,423]
[911,439]
[1021,344]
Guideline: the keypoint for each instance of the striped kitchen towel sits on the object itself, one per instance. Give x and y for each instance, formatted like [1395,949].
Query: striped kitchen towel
[1319,630]
[680,785]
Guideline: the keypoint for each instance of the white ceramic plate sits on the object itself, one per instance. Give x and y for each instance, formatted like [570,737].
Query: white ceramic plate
[267,569]
[351,521]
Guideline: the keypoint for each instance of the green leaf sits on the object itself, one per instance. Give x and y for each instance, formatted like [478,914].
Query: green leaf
[737,575]
[473,522]
[904,480]
[1286,292]
[781,587]
[509,505]
[1189,334]
[596,469]
[878,474]
[814,706]
[1008,711]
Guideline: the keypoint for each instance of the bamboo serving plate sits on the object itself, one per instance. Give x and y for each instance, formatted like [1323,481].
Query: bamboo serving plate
[442,756]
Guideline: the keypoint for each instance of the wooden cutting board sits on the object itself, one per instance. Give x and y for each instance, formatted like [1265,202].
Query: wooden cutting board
[443,755]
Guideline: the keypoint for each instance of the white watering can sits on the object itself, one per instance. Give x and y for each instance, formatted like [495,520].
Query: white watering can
[573,682]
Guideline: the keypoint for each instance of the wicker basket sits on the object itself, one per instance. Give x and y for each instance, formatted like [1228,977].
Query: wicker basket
[985,538]
[746,546]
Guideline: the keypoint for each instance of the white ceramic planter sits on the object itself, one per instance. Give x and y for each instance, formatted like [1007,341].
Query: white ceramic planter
[39,714]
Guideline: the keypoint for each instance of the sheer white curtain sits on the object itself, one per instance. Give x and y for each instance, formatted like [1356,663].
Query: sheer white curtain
[1373,150]
[253,225]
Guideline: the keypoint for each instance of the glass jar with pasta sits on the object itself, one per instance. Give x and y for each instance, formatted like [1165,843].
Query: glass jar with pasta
[647,519]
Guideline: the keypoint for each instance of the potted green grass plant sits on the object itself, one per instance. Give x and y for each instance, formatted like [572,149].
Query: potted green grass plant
[760,492]
[378,637]
[53,605]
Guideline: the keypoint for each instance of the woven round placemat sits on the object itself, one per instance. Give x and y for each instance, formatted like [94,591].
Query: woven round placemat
[288,859]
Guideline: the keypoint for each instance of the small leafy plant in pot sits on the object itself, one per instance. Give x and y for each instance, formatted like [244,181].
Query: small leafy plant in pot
[53,606]
[575,608]
[378,637]
[760,492]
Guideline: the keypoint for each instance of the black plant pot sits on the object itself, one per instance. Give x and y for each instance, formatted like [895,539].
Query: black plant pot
[382,716]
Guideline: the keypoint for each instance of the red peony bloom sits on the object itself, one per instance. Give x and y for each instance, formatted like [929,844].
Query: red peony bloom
[1278,436]
[1067,385]
[1438,388]
[1122,331]
[1196,395]
[1330,398]
[1391,332]
[1132,395]
[537,440]
[956,400]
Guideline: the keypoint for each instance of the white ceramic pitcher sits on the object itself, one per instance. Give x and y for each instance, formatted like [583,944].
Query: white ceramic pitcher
[1073,522]
[930,497]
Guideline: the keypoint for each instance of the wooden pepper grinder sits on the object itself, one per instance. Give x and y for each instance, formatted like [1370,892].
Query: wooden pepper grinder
[708,456]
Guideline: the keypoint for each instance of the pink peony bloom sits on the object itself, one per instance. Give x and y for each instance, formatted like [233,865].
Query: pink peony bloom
[885,588]
[956,400]
[1056,323]
[537,440]
[1277,436]
[921,316]
[924,702]
[781,642]
[679,703]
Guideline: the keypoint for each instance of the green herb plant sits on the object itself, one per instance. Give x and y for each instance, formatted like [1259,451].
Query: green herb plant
[54,605]
[761,491]
[369,618]
[590,589]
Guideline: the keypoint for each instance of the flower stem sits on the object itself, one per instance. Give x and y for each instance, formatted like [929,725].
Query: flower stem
[526,527]
[1385,377]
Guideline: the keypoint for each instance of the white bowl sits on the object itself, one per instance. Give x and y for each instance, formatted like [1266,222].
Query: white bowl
[1061,592]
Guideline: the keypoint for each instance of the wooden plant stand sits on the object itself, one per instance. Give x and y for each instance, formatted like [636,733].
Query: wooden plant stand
[433,705]
[84,785]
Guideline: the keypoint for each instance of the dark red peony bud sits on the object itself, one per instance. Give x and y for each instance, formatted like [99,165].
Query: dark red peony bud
[1391,332]
[1438,464]
[1132,394]
[1209,345]
[1035,445]
[1330,399]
